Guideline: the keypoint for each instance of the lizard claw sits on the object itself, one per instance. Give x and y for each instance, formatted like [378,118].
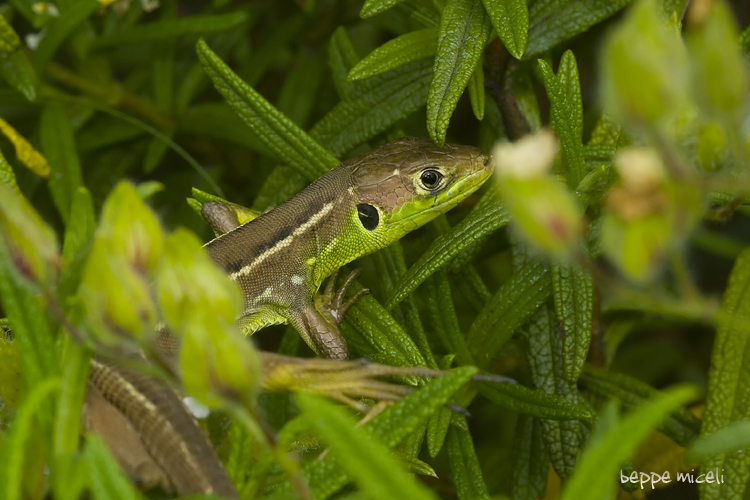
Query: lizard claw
[334,301]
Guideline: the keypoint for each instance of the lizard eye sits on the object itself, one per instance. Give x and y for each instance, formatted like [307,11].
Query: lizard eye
[431,179]
[368,216]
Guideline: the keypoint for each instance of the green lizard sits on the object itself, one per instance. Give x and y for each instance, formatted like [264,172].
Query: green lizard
[281,258]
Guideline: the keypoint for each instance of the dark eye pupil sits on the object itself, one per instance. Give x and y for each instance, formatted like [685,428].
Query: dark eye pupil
[430,178]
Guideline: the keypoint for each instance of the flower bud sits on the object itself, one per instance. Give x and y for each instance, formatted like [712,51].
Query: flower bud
[645,68]
[720,78]
[542,207]
[131,228]
[646,214]
[189,283]
[26,242]
[217,363]
[116,299]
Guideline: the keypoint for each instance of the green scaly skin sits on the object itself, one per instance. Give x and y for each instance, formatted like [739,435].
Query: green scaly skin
[281,258]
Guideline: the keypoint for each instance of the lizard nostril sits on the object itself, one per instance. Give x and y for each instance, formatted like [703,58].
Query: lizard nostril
[486,160]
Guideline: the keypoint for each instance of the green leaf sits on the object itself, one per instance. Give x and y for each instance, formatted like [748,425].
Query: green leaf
[391,265]
[341,58]
[402,50]
[567,111]
[171,28]
[555,21]
[32,332]
[391,426]
[217,120]
[510,18]
[365,459]
[728,398]
[14,450]
[374,105]
[563,438]
[299,93]
[67,426]
[389,339]
[78,235]
[531,465]
[372,7]
[400,419]
[508,309]
[58,145]
[444,319]
[532,402]
[104,474]
[720,75]
[19,73]
[285,139]
[465,469]
[72,14]
[7,176]
[730,439]
[681,426]
[464,29]
[487,216]
[476,92]
[437,430]
[9,41]
[573,291]
[597,469]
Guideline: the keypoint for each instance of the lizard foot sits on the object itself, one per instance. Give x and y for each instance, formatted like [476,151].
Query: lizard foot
[333,301]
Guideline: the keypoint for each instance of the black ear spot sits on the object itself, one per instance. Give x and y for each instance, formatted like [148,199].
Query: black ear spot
[368,215]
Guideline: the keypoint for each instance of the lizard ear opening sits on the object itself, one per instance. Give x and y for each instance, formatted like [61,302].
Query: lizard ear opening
[368,216]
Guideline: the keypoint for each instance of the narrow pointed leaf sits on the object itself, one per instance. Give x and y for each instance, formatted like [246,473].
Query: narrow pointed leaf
[553,22]
[444,319]
[476,92]
[58,145]
[19,73]
[563,438]
[464,464]
[510,18]
[372,7]
[508,309]
[464,28]
[14,449]
[171,28]
[595,475]
[358,452]
[342,58]
[487,216]
[573,291]
[531,465]
[402,50]
[730,439]
[532,402]
[372,106]
[567,124]
[681,426]
[728,398]
[282,136]
[7,176]
[391,427]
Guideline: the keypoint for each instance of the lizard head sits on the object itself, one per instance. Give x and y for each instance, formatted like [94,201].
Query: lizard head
[408,182]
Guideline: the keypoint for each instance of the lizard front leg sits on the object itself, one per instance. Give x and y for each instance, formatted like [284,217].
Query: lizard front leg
[318,321]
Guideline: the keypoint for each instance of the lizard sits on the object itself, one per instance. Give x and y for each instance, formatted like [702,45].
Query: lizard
[280,259]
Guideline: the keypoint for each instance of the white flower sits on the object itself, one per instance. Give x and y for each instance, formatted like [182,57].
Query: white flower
[529,157]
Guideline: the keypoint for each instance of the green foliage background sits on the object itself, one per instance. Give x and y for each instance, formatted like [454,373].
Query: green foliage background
[113,92]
